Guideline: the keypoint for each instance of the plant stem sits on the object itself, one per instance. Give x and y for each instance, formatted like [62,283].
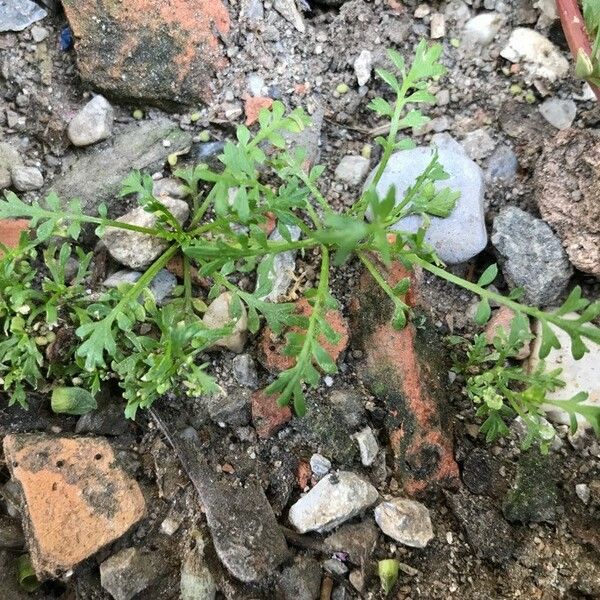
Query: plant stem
[380,280]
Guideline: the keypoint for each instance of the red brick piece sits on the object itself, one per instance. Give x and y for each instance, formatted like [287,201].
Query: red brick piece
[160,51]
[253,106]
[406,372]
[268,417]
[10,232]
[271,346]
[76,499]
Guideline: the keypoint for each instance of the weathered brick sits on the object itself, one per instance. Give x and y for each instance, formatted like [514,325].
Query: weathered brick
[10,231]
[268,417]
[405,369]
[76,499]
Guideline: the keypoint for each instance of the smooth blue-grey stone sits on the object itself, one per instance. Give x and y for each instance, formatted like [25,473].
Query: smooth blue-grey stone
[462,235]
[161,286]
[16,15]
[502,165]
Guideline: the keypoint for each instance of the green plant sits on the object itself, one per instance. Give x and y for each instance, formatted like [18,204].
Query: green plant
[123,335]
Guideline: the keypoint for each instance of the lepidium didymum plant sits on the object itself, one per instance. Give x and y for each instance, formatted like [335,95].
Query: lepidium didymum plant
[122,335]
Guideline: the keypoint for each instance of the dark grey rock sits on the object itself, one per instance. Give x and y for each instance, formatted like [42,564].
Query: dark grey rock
[534,498]
[244,371]
[350,405]
[355,539]
[233,407]
[161,286]
[95,175]
[11,534]
[480,473]
[16,15]
[335,567]
[502,165]
[489,536]
[532,256]
[302,580]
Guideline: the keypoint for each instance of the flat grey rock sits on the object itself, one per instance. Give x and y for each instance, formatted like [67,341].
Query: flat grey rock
[96,174]
[462,235]
[406,521]
[93,123]
[531,255]
[16,15]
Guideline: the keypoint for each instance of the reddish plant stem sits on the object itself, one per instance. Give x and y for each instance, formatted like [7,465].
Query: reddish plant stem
[574,27]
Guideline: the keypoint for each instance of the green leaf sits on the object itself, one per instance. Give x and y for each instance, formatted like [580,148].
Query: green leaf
[483,313]
[488,276]
[389,78]
[72,401]
[381,107]
[389,570]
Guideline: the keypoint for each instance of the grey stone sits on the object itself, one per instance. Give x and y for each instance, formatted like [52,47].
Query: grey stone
[232,407]
[137,250]
[245,532]
[302,580]
[335,499]
[161,286]
[559,113]
[130,571]
[172,188]
[289,11]
[532,256]
[26,179]
[196,581]
[335,566]
[368,446]
[95,175]
[39,34]
[488,534]
[244,371]
[16,15]
[319,465]
[478,144]
[534,497]
[281,274]
[93,123]
[11,534]
[5,178]
[502,165]
[9,157]
[218,315]
[349,405]
[482,29]
[253,12]
[362,67]
[352,169]
[583,492]
[406,521]
[462,235]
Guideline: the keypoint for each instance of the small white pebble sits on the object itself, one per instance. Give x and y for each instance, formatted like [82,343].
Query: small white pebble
[450,537]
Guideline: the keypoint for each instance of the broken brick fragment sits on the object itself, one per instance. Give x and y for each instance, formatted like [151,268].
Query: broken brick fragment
[253,106]
[405,371]
[76,500]
[159,52]
[10,232]
[268,417]
[271,346]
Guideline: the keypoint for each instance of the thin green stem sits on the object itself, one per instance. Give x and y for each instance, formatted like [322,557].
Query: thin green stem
[187,285]
[380,280]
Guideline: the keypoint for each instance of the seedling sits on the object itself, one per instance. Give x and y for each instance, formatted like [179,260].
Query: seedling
[150,350]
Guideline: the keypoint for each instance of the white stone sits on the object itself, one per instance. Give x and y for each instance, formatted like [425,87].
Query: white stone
[482,29]
[218,315]
[93,123]
[405,521]
[478,144]
[352,169]
[368,446]
[26,179]
[335,499]
[463,234]
[579,375]
[137,250]
[583,492]
[540,57]
[319,465]
[559,113]
[438,26]
[362,67]
[422,11]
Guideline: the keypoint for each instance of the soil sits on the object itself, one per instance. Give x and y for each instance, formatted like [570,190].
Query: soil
[546,561]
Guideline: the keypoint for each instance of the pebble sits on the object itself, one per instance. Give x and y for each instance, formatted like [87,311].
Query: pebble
[39,34]
[478,144]
[583,492]
[137,250]
[538,55]
[559,113]
[532,256]
[502,165]
[93,123]
[289,11]
[335,499]
[161,287]
[578,375]
[319,465]
[368,446]
[482,29]
[438,26]
[26,179]
[362,67]
[169,187]
[302,580]
[218,315]
[283,270]
[406,521]
[196,580]
[352,169]
[335,566]
[244,371]
[462,235]
[16,15]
